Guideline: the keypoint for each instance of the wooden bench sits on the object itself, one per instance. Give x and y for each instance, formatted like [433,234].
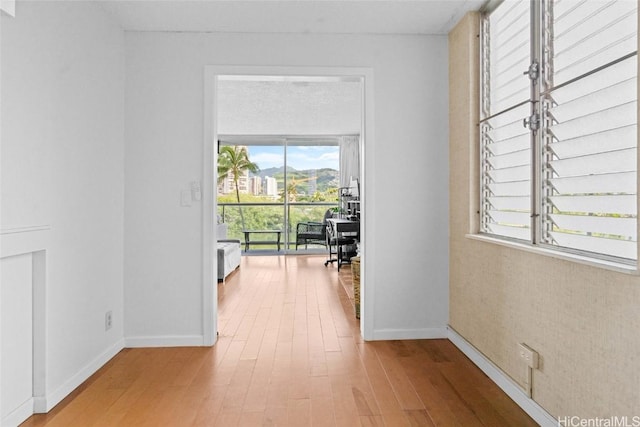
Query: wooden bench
[248,241]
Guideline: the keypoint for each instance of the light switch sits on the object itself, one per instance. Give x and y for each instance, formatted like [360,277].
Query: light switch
[185,198]
[196,191]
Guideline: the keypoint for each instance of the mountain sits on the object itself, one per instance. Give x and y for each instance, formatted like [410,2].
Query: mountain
[262,173]
[325,177]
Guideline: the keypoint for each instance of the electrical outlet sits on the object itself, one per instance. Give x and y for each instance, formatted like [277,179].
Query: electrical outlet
[529,355]
[108,320]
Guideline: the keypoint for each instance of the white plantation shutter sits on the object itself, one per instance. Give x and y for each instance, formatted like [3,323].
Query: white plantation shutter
[589,132]
[506,144]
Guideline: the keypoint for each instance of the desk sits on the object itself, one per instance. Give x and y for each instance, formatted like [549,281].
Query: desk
[248,241]
[341,232]
[343,227]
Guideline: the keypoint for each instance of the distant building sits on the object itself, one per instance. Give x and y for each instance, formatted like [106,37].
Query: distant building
[255,185]
[270,186]
[227,186]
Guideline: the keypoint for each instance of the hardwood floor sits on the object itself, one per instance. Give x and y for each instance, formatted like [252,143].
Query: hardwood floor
[289,354]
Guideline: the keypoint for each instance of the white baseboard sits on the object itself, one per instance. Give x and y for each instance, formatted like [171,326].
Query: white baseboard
[45,404]
[18,415]
[165,341]
[503,381]
[409,334]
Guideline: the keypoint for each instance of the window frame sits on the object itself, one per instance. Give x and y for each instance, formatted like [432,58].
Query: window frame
[536,243]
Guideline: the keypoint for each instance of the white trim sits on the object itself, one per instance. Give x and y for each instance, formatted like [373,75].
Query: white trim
[503,381]
[164,341]
[40,405]
[24,229]
[39,312]
[210,307]
[44,405]
[209,209]
[32,240]
[23,240]
[565,256]
[19,415]
[367,216]
[410,334]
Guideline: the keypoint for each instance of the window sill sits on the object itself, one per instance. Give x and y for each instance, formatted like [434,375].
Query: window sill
[593,262]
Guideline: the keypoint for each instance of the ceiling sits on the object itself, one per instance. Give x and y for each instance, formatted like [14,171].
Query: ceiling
[272,106]
[293,16]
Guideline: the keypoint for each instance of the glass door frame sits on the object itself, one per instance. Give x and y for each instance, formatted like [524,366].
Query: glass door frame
[285,141]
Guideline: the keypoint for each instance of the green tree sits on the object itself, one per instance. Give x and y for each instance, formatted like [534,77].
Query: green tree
[318,197]
[234,162]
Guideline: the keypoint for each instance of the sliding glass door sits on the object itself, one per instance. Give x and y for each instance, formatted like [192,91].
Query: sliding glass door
[276,183]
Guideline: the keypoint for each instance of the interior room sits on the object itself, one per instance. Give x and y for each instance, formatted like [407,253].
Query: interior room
[301,136]
[106,122]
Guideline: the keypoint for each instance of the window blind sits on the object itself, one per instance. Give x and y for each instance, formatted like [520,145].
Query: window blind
[507,44]
[588,34]
[505,143]
[589,128]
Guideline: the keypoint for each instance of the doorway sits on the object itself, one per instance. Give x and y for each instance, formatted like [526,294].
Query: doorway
[265,116]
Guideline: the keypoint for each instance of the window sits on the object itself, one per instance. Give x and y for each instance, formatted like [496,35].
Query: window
[559,125]
[296,180]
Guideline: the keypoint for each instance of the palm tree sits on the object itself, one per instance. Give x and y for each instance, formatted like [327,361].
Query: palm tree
[234,162]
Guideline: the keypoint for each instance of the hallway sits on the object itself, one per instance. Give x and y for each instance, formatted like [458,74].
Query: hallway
[289,354]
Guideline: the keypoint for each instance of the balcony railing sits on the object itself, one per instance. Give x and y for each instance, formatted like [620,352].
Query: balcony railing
[273,216]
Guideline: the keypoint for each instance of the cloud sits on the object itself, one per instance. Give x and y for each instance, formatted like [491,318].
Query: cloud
[267,160]
[308,160]
[300,158]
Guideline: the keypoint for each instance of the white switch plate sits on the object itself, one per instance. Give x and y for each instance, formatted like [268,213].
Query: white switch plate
[185,198]
[196,191]
[108,320]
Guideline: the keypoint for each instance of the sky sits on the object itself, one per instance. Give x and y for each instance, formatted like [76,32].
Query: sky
[298,157]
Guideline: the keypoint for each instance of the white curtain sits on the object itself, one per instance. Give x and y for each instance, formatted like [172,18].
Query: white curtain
[349,159]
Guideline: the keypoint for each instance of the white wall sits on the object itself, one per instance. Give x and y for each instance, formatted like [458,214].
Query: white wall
[62,166]
[406,258]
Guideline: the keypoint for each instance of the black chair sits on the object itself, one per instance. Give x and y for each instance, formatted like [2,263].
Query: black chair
[312,232]
[346,235]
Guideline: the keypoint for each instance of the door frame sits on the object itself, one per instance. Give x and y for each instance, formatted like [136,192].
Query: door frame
[209,201]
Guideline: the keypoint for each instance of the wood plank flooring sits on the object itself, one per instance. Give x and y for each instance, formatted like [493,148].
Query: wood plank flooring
[289,354]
